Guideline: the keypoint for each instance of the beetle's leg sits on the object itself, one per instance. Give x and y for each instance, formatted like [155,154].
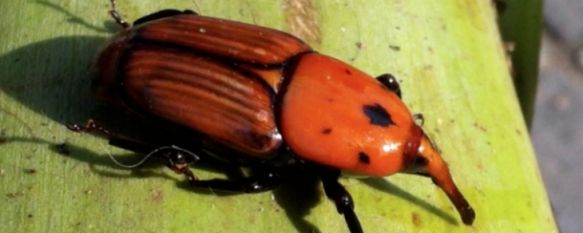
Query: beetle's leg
[179,160]
[344,204]
[391,83]
[260,182]
[116,16]
[176,158]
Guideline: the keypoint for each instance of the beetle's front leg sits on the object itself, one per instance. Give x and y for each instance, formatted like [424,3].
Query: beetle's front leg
[344,204]
[179,160]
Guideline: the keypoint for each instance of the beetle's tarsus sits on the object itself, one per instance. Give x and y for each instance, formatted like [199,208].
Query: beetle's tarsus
[119,19]
[344,204]
[90,126]
[176,158]
[116,16]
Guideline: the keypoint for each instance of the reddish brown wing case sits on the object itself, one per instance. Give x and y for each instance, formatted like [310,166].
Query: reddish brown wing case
[214,76]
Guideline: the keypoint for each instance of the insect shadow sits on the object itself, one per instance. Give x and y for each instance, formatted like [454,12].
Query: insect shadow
[51,77]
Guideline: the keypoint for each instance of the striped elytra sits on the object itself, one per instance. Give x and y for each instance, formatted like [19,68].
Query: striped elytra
[223,38]
[220,101]
[214,76]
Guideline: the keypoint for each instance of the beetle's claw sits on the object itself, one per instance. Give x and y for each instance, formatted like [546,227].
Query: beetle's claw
[116,16]
[118,19]
[90,126]
[419,118]
[184,170]
[180,165]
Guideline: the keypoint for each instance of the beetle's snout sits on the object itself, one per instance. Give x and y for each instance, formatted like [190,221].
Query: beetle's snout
[426,160]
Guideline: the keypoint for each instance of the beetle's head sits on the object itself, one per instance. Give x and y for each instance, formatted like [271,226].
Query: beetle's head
[423,158]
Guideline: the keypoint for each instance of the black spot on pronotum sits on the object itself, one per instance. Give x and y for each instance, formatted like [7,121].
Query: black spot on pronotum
[347,71]
[363,158]
[378,115]
[326,131]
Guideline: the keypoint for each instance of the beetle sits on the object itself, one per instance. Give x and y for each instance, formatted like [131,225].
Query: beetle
[260,97]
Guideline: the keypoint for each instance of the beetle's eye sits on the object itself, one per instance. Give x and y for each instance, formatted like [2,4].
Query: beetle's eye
[390,82]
